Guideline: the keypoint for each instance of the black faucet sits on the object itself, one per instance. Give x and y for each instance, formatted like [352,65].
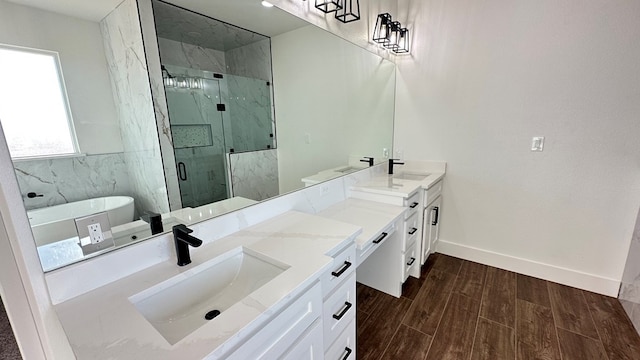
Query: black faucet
[182,239]
[368,160]
[393,162]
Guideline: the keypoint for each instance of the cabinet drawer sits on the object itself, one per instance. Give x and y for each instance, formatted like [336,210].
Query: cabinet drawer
[411,230]
[309,347]
[344,348]
[413,203]
[339,309]
[344,264]
[374,243]
[432,193]
[280,333]
[410,259]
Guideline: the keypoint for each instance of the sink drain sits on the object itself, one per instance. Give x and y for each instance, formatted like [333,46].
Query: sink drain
[212,314]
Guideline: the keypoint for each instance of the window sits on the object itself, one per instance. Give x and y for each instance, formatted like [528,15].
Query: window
[34,110]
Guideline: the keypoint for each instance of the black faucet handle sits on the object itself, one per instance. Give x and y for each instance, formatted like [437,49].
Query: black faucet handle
[183,228]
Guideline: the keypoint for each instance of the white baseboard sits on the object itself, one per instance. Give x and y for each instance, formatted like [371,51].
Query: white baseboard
[578,279]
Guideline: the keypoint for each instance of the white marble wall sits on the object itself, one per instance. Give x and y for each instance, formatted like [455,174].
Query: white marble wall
[252,61]
[132,94]
[254,174]
[64,180]
[629,294]
[191,56]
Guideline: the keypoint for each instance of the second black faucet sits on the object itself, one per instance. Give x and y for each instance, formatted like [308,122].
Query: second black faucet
[393,162]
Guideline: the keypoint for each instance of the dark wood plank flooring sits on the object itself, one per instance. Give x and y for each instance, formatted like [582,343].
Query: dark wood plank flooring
[463,310]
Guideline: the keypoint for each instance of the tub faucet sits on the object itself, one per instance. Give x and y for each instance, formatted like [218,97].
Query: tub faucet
[393,162]
[367,160]
[182,239]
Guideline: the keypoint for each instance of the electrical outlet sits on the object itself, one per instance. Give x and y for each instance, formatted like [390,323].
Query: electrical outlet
[95,233]
[385,153]
[537,143]
[307,138]
[324,190]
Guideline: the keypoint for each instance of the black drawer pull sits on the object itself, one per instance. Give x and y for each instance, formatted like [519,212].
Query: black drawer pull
[342,269]
[413,231]
[413,205]
[345,308]
[346,353]
[382,236]
[411,261]
[437,210]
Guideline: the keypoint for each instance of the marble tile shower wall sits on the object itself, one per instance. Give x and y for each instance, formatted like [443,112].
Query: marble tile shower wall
[130,82]
[252,61]
[72,179]
[191,56]
[255,174]
[629,294]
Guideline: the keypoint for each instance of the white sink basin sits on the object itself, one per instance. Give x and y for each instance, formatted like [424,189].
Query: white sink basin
[411,176]
[348,169]
[177,307]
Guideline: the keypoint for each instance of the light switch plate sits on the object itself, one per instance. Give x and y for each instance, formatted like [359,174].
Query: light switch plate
[94,233]
[537,143]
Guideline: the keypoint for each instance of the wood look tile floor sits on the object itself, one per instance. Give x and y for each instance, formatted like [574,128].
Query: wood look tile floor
[463,310]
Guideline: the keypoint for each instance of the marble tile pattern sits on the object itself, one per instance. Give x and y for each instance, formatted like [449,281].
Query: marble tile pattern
[64,180]
[191,56]
[254,174]
[130,82]
[249,113]
[629,294]
[152,52]
[185,26]
[252,61]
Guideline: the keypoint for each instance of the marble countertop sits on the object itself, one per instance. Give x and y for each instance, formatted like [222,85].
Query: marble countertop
[371,216]
[105,324]
[389,185]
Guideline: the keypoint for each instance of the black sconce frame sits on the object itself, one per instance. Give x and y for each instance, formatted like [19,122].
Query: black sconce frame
[349,12]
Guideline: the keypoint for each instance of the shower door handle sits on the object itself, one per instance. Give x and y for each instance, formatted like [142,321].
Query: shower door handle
[182,171]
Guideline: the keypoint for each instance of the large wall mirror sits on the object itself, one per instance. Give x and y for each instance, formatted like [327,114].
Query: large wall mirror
[229,104]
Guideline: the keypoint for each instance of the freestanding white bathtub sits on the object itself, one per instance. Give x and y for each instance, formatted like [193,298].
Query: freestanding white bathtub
[57,222]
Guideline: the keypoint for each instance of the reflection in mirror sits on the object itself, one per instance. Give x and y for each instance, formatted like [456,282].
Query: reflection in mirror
[301,106]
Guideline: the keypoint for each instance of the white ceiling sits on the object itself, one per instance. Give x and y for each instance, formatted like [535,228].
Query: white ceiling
[93,10]
[249,14]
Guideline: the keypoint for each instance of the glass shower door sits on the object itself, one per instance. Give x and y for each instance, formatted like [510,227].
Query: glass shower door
[198,140]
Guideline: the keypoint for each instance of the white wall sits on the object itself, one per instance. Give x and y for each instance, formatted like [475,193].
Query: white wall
[79,44]
[344,101]
[482,79]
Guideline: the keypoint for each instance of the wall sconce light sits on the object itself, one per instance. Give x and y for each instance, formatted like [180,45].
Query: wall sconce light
[328,6]
[403,42]
[348,12]
[394,34]
[383,28]
[391,35]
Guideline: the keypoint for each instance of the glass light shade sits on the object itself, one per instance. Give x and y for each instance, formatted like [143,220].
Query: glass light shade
[349,12]
[382,30]
[328,6]
[403,42]
[394,36]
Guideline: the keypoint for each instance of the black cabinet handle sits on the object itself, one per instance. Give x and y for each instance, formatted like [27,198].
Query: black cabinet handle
[435,220]
[411,261]
[342,269]
[382,236]
[345,308]
[182,171]
[412,231]
[413,205]
[32,195]
[346,353]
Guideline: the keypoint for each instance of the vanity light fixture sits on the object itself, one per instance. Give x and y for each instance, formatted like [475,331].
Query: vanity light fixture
[382,30]
[394,35]
[329,6]
[349,11]
[403,42]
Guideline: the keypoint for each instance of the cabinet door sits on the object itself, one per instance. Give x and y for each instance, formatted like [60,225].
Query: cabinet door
[309,347]
[434,224]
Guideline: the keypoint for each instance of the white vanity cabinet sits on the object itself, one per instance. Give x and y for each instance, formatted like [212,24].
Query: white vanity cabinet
[339,305]
[431,220]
